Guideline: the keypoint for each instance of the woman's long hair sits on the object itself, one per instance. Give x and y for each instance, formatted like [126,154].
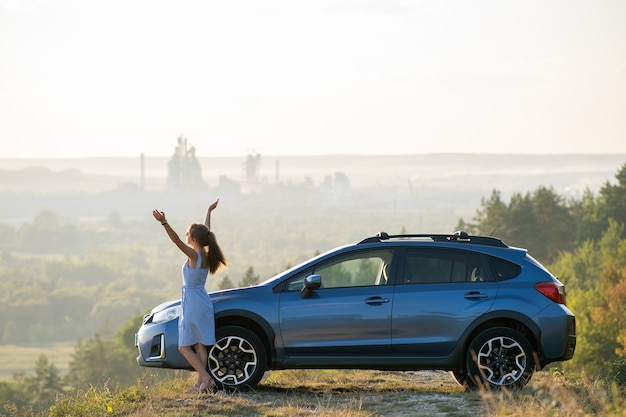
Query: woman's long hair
[206,238]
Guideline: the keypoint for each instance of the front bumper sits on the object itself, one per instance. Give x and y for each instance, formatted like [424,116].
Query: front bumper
[158,346]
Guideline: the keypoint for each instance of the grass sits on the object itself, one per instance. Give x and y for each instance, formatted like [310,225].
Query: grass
[23,358]
[552,394]
[292,393]
[299,393]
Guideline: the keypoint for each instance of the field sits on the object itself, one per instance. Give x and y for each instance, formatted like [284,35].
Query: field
[15,359]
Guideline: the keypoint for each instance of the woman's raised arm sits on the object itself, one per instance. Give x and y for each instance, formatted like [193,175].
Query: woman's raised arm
[207,219]
[160,216]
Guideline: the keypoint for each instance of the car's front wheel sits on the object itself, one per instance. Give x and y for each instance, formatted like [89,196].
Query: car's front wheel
[500,357]
[461,376]
[238,359]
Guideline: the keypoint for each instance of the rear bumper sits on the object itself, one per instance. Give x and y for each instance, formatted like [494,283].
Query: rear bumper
[558,338]
[571,338]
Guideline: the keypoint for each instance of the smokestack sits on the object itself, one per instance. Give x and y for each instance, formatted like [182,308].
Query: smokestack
[141,183]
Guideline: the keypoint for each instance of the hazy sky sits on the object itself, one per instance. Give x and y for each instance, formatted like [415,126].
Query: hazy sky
[124,77]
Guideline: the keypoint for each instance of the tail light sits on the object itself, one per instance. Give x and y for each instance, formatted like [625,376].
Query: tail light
[552,290]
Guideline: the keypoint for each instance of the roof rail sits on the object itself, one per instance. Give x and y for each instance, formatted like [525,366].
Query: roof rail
[459,236]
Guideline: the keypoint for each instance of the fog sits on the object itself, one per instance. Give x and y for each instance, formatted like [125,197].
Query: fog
[451,185]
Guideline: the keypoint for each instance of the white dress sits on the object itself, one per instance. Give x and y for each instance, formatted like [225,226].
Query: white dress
[196,323]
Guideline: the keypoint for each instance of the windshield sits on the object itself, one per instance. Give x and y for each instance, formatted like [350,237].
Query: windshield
[277,277]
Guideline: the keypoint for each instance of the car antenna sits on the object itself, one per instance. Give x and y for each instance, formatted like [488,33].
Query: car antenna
[491,234]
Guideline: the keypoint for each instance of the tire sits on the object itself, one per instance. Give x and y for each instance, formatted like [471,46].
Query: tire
[500,358]
[238,359]
[463,379]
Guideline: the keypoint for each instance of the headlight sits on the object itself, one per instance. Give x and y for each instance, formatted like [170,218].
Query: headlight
[166,315]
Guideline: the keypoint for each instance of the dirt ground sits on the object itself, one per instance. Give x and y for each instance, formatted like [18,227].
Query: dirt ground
[424,393]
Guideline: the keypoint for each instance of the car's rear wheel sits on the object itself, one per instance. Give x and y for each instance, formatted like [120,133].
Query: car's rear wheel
[238,359]
[500,357]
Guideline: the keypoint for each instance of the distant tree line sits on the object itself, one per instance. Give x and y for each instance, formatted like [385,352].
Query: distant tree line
[547,223]
[48,295]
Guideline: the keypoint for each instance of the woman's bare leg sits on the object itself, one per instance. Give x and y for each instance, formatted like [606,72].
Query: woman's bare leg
[195,360]
[203,354]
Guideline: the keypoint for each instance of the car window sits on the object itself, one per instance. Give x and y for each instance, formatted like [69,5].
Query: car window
[504,269]
[354,270]
[296,283]
[436,265]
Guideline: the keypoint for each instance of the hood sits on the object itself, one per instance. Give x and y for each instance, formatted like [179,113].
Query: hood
[165,305]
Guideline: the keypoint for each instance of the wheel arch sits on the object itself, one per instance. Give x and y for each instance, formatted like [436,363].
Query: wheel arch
[252,322]
[511,319]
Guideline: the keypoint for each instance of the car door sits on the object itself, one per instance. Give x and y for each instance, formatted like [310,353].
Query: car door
[349,315]
[439,293]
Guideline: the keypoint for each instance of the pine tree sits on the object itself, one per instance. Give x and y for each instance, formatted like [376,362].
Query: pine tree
[250,278]
[225,283]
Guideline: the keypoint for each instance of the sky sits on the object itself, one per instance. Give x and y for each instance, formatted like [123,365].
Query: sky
[84,78]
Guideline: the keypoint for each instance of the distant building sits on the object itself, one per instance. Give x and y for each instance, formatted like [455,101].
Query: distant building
[252,166]
[183,169]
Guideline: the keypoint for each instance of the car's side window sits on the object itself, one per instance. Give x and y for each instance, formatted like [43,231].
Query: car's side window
[350,272]
[505,269]
[296,283]
[353,270]
[437,265]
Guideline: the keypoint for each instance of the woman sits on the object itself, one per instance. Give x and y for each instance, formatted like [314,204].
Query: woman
[196,327]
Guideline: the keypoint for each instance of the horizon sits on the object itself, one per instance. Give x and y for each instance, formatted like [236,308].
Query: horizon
[320,155]
[389,168]
[445,179]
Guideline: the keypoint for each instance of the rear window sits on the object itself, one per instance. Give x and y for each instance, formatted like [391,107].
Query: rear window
[504,269]
[437,265]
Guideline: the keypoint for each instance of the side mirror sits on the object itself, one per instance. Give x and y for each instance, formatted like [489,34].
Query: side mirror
[312,282]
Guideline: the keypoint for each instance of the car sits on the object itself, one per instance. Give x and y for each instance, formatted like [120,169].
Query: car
[487,312]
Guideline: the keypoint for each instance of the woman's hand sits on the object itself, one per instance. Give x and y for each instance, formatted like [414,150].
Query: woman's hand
[214,205]
[187,250]
[159,216]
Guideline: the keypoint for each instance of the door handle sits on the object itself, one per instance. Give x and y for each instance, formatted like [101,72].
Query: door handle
[475,295]
[376,301]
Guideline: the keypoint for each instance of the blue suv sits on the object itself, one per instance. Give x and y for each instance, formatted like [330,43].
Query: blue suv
[489,313]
